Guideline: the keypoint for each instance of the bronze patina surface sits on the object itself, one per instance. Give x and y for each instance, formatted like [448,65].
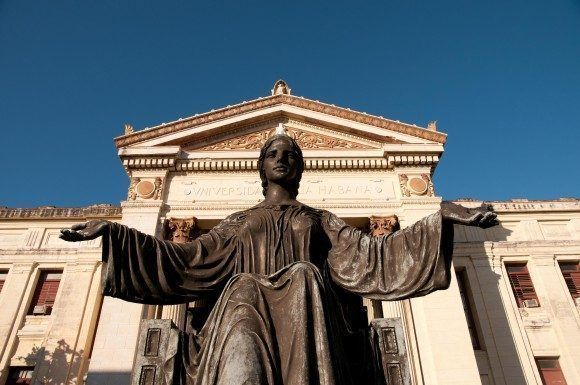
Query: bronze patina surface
[284,275]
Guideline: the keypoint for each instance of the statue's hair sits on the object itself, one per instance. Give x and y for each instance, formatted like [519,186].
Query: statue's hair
[294,184]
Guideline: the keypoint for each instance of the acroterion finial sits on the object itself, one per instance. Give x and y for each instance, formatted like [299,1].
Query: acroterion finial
[281,130]
[281,88]
[432,125]
[129,129]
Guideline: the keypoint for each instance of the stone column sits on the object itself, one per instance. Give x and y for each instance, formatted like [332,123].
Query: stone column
[116,337]
[437,327]
[383,225]
[178,230]
[12,312]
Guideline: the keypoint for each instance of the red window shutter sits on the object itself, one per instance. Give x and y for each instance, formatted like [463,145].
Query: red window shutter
[521,283]
[20,375]
[46,289]
[467,308]
[571,273]
[550,371]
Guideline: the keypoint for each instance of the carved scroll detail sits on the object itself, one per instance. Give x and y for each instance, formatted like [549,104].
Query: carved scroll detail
[430,189]
[403,180]
[158,187]
[132,194]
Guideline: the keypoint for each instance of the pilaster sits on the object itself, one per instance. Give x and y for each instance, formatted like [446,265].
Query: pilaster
[118,326]
[64,341]
[11,303]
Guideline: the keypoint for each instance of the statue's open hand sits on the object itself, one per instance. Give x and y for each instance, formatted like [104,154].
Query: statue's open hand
[84,231]
[481,217]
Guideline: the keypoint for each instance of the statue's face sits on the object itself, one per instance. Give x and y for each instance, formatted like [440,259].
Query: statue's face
[281,162]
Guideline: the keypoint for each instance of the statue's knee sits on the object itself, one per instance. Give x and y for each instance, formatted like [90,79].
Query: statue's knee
[305,270]
[244,289]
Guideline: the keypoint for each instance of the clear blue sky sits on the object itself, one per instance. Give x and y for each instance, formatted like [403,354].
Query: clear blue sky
[502,78]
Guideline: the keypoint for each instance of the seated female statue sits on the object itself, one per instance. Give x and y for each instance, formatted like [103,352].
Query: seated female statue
[275,269]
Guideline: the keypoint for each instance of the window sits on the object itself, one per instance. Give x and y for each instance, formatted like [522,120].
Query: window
[45,293]
[550,371]
[522,285]
[571,273]
[468,309]
[20,375]
[3,275]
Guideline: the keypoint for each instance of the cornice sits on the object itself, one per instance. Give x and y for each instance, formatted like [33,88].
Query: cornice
[525,205]
[49,212]
[260,103]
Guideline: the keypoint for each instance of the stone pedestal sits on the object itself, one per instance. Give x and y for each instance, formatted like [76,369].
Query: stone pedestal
[390,352]
[157,345]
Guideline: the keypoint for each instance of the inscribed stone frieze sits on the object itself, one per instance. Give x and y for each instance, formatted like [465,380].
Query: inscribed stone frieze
[228,188]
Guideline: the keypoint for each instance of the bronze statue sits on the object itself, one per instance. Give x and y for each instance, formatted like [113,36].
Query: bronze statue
[280,272]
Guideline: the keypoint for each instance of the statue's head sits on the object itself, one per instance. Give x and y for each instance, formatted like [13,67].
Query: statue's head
[281,161]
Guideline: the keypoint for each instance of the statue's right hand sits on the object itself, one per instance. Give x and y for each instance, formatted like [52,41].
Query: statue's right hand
[84,231]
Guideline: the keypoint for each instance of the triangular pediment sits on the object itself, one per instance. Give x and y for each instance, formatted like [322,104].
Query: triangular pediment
[312,123]
[308,136]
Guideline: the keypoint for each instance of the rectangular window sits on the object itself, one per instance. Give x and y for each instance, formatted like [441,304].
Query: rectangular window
[468,309]
[45,293]
[571,273]
[20,375]
[550,371]
[522,285]
[3,275]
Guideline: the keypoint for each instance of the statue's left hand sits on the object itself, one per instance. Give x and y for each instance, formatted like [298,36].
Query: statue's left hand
[482,216]
[84,231]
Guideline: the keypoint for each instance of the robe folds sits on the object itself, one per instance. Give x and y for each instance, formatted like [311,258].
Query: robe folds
[276,272]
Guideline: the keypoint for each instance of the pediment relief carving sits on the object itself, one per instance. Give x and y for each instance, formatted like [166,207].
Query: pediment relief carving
[306,140]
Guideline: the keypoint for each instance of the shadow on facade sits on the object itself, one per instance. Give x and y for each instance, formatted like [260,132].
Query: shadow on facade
[60,365]
[499,343]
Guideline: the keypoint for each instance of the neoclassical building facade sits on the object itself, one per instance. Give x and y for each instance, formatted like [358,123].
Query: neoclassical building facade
[511,315]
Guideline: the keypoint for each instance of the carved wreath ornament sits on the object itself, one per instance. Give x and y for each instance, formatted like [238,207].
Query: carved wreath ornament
[145,188]
[416,185]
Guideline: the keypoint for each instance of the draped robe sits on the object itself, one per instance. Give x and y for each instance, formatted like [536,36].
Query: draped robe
[274,270]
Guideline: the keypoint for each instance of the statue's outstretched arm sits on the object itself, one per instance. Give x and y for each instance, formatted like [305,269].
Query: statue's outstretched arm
[141,268]
[410,262]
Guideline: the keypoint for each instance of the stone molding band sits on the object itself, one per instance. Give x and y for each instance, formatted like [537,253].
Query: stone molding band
[313,105]
[104,210]
[388,162]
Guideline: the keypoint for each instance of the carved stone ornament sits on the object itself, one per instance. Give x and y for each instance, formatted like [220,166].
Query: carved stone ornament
[416,185]
[305,139]
[281,88]
[158,187]
[403,180]
[145,188]
[430,188]
[383,225]
[181,230]
[132,195]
